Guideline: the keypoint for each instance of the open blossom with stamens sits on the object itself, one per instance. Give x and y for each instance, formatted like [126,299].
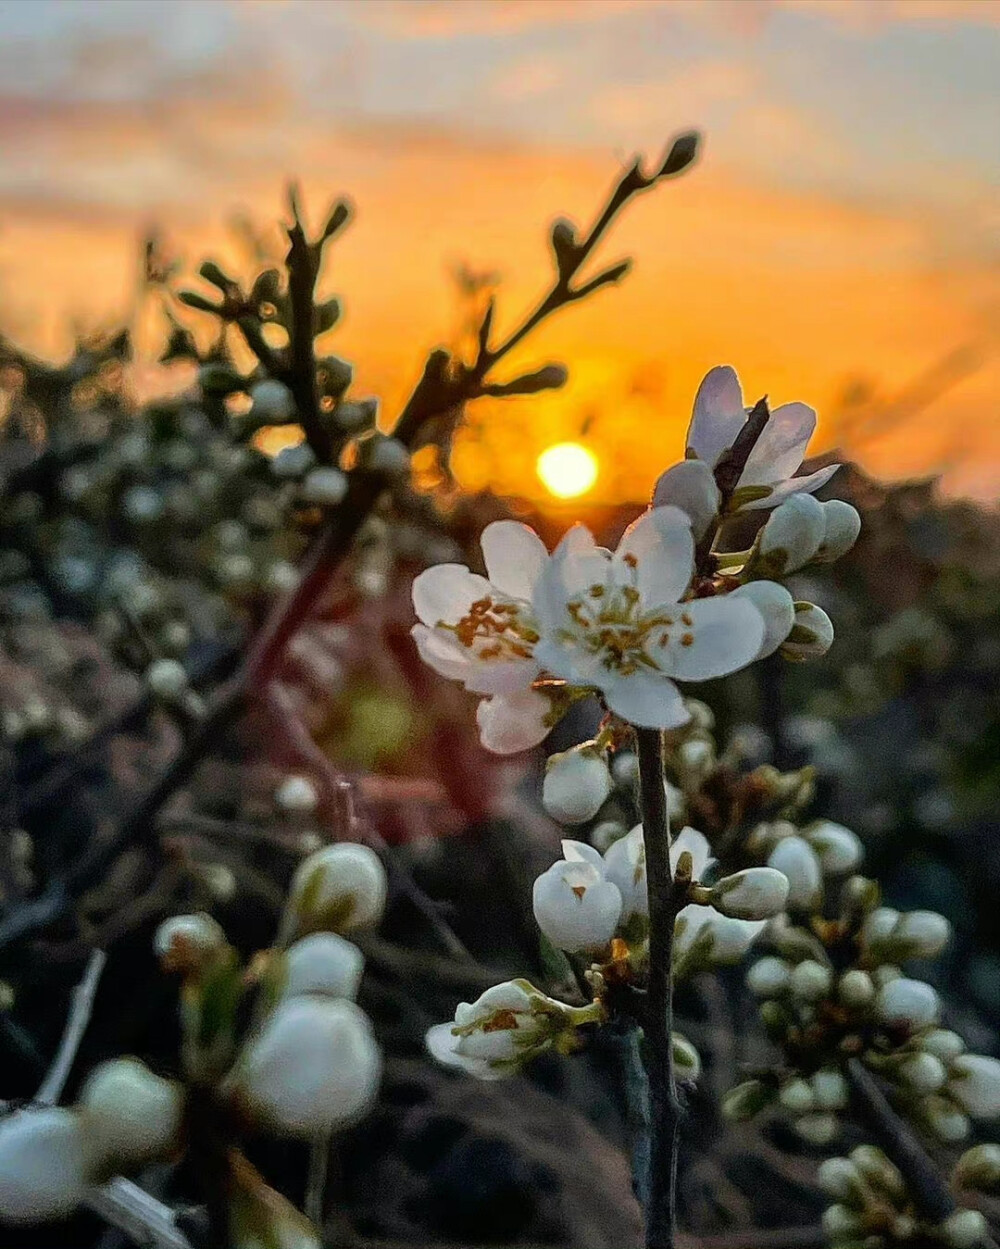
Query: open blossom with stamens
[617,622]
[719,415]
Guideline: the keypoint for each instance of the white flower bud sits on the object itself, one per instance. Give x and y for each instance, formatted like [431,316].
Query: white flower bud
[949,1124]
[975,1084]
[942,1044]
[323,963]
[817,1129]
[965,1229]
[388,456]
[696,755]
[324,486]
[625,768]
[702,932]
[43,1165]
[690,486]
[856,989]
[272,402]
[922,934]
[797,1096]
[792,535]
[576,784]
[281,576]
[167,678]
[811,981]
[314,1066]
[830,1089]
[768,977]
[878,928]
[842,524]
[182,942]
[339,889]
[754,893]
[875,1166]
[838,849]
[839,1178]
[839,1223]
[979,1167]
[904,1227]
[811,635]
[575,906]
[886,974]
[922,1072]
[906,1001]
[293,462]
[794,857]
[604,835]
[298,794]
[493,1036]
[776,607]
[128,1114]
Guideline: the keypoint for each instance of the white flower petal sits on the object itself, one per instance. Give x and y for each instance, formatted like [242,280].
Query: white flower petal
[500,676]
[794,485]
[645,699]
[777,609]
[565,659]
[440,651]
[515,556]
[509,723]
[696,844]
[726,634]
[690,486]
[662,545]
[445,592]
[718,415]
[581,852]
[780,449]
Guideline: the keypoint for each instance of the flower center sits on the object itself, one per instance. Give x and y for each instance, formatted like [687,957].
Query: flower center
[495,628]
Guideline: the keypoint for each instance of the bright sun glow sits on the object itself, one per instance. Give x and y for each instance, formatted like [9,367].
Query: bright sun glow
[567,469]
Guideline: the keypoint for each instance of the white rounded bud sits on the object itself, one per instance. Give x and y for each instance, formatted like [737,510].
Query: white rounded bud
[298,794]
[811,635]
[974,1082]
[625,768]
[877,1169]
[293,462]
[604,835]
[811,981]
[167,678]
[965,1229]
[768,977]
[281,576]
[128,1114]
[272,402]
[388,456]
[840,1222]
[830,1089]
[777,609]
[314,1066]
[323,963]
[923,1072]
[838,849]
[338,889]
[856,989]
[43,1165]
[794,857]
[575,906]
[754,893]
[923,934]
[576,784]
[182,942]
[817,1129]
[718,938]
[906,1001]
[690,486]
[842,524]
[886,974]
[949,1124]
[838,1177]
[326,486]
[879,927]
[792,535]
[979,1167]
[797,1095]
[942,1044]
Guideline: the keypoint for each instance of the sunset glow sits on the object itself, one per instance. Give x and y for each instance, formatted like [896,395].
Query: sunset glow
[567,470]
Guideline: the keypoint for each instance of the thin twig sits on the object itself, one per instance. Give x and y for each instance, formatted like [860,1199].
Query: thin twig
[147,1221]
[319,1161]
[81,1006]
[665,1106]
[926,1186]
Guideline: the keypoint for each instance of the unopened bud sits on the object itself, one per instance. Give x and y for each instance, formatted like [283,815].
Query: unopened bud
[838,849]
[797,1096]
[922,1072]
[811,635]
[44,1169]
[792,535]
[855,989]
[326,487]
[183,942]
[746,1100]
[839,1178]
[906,1001]
[796,859]
[811,981]
[167,679]
[272,403]
[292,463]
[768,977]
[979,1167]
[830,1089]
[297,794]
[965,1229]
[841,1223]
[942,1044]
[129,1114]
[974,1082]
[755,893]
[577,782]
[338,889]
[842,524]
[817,1129]
[949,1124]
[323,963]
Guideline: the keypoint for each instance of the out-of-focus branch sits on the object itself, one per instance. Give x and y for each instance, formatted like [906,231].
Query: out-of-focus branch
[81,1006]
[147,1221]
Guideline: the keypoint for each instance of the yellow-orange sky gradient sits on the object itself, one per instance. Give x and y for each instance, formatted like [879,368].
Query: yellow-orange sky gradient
[799,252]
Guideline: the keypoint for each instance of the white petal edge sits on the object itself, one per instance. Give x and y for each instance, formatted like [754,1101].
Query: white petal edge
[718,414]
[514,555]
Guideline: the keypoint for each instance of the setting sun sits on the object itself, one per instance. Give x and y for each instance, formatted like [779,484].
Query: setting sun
[567,469]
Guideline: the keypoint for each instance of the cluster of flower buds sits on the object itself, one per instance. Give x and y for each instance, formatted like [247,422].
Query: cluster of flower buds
[306,1065]
[807,856]
[872,1207]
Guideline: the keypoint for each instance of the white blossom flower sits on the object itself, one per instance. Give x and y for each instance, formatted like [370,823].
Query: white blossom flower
[325,963]
[481,630]
[974,1082]
[625,865]
[719,415]
[575,906]
[508,1024]
[798,861]
[339,888]
[44,1167]
[128,1113]
[313,1066]
[616,622]
[754,893]
[576,784]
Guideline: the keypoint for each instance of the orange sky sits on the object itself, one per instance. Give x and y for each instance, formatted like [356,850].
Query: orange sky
[807,274]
